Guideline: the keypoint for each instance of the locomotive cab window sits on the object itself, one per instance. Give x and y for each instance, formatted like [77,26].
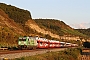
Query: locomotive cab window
[41,42]
[22,39]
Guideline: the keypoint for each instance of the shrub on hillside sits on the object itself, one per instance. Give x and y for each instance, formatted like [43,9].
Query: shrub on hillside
[18,15]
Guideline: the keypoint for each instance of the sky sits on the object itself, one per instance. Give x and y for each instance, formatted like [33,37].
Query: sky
[75,13]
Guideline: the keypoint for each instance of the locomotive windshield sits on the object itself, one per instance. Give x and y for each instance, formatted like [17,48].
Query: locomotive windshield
[22,39]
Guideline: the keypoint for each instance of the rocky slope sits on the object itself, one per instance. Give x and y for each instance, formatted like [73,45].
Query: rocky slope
[34,26]
[9,30]
[5,21]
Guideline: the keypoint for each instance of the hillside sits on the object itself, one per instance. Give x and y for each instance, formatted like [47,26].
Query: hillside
[15,22]
[41,32]
[57,27]
[84,31]
[17,14]
[9,30]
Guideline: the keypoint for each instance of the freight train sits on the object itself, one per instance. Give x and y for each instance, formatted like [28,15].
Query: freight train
[37,42]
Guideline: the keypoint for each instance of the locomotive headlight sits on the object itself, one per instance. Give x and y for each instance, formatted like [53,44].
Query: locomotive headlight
[19,42]
[24,42]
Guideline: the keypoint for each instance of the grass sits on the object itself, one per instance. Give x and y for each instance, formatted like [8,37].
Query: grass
[69,54]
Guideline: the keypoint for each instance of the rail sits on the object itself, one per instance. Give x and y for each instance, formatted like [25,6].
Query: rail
[3,48]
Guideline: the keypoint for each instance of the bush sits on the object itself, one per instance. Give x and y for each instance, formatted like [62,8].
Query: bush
[69,54]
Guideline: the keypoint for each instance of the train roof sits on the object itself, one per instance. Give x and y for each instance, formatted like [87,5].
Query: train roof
[62,42]
[68,43]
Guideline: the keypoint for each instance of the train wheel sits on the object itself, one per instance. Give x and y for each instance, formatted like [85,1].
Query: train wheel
[34,48]
[19,47]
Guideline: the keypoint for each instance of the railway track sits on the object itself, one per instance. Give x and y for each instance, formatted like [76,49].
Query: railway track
[14,51]
[23,53]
